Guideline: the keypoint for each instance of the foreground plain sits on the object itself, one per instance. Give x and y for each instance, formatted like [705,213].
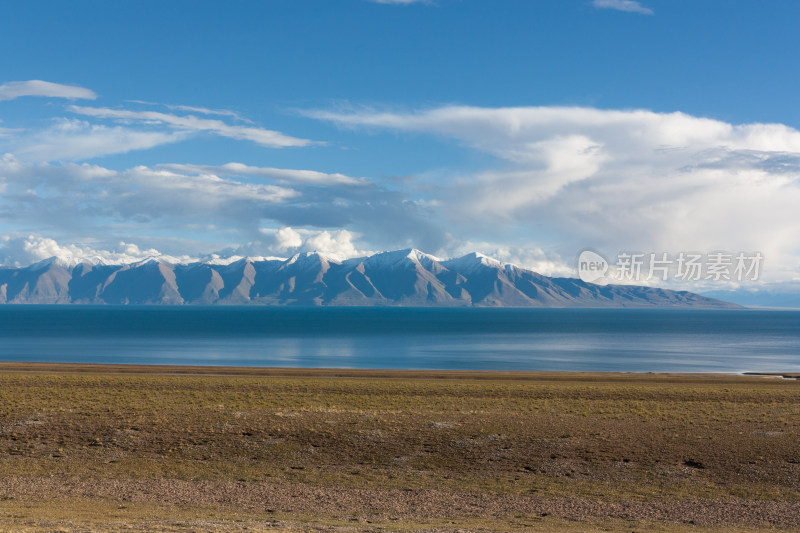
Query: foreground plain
[107,448]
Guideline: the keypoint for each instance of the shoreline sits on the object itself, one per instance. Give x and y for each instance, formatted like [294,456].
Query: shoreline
[267,371]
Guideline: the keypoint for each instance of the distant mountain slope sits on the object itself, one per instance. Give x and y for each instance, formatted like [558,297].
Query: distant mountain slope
[400,278]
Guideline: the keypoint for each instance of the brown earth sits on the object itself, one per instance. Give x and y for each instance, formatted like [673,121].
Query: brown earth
[107,448]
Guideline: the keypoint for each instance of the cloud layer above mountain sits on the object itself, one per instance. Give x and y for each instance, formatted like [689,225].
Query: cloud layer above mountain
[530,185]
[617,179]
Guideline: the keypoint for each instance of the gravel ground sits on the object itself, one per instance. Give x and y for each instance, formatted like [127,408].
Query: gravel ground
[377,504]
[109,449]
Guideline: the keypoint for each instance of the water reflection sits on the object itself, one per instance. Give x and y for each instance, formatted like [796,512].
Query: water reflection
[577,340]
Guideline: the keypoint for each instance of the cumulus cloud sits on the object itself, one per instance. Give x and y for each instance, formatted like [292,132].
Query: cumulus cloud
[286,241]
[339,244]
[264,137]
[279,174]
[571,177]
[336,243]
[17,89]
[22,250]
[631,6]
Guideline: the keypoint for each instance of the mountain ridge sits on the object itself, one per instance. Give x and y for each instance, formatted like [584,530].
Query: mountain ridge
[405,277]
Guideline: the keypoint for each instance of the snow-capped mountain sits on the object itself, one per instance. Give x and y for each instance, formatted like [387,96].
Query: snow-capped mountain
[399,278]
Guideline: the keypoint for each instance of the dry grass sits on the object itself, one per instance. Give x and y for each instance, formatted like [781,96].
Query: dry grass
[112,448]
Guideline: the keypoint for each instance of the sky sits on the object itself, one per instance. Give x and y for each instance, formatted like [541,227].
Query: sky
[526,130]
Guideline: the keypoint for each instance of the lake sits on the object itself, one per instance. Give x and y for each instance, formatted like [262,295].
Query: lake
[628,340]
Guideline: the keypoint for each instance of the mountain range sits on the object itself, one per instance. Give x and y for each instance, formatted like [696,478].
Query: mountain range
[398,278]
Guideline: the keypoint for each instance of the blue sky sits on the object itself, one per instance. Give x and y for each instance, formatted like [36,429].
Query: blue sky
[527,130]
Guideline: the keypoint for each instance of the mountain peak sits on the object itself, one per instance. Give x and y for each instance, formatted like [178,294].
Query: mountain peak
[306,258]
[472,261]
[44,263]
[223,261]
[405,277]
[146,262]
[396,258]
[62,261]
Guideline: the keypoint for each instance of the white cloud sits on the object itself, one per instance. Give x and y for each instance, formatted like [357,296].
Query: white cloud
[72,140]
[65,200]
[548,166]
[336,243]
[22,250]
[630,6]
[279,174]
[508,132]
[72,194]
[207,111]
[17,89]
[617,180]
[264,137]
[8,132]
[287,241]
[172,193]
[526,255]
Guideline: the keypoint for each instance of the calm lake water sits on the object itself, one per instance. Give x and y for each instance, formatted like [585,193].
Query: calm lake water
[481,339]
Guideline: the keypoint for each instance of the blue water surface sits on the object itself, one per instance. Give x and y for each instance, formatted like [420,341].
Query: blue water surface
[629,340]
